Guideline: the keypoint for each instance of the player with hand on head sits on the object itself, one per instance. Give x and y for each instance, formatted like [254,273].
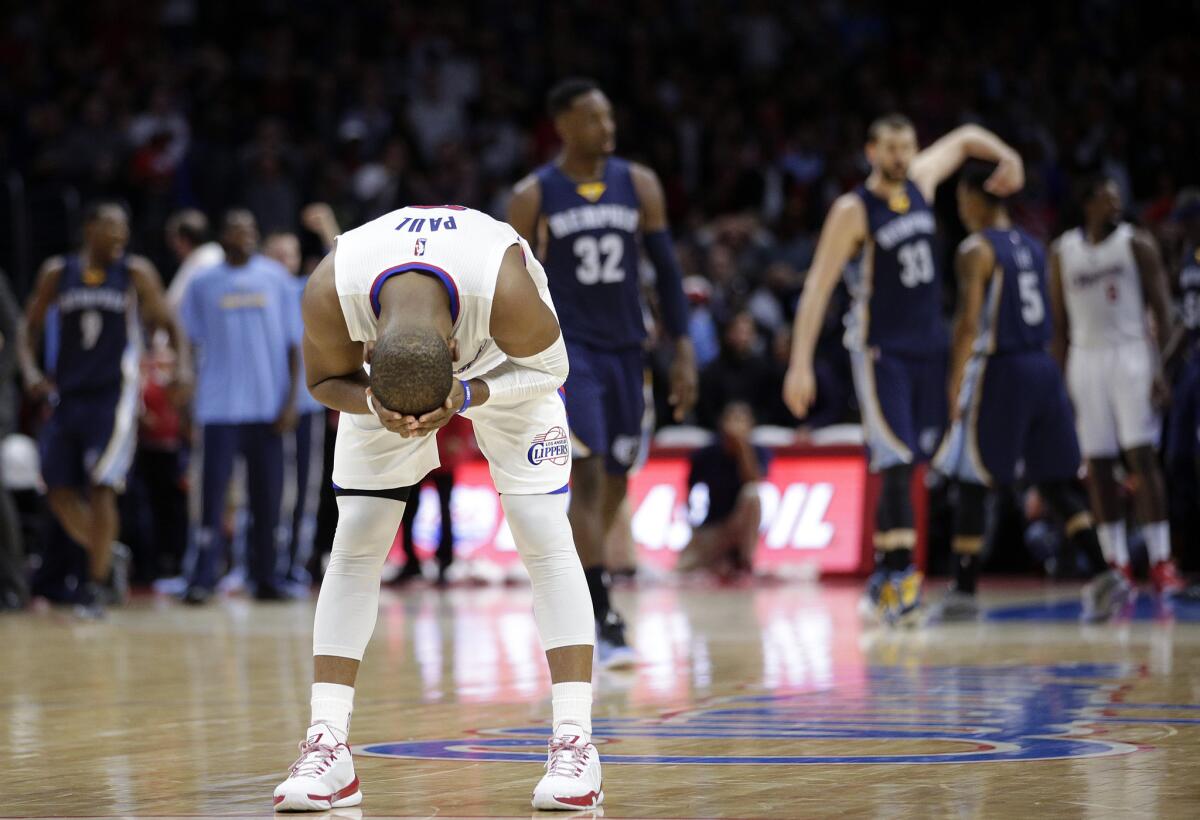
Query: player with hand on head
[459,319]
[896,334]
[1008,400]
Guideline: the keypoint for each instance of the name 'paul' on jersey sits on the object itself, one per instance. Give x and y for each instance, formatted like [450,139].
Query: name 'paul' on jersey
[591,255]
[896,284]
[97,326]
[1015,316]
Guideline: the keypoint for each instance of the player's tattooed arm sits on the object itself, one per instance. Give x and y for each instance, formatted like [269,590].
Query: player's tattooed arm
[973,264]
[941,160]
[1058,310]
[333,362]
[1154,286]
[524,208]
[843,233]
[45,290]
[152,302]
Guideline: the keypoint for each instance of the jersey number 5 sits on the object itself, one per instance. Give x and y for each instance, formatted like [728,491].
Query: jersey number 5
[600,259]
[1033,308]
[916,264]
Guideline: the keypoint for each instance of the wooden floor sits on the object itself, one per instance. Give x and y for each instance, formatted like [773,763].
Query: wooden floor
[768,702]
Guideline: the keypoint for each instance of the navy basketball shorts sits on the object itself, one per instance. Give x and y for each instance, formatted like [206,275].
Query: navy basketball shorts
[90,439]
[903,404]
[606,403]
[1183,420]
[1014,413]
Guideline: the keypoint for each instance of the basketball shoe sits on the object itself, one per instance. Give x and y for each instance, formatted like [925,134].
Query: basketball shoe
[871,606]
[612,651]
[1166,578]
[1106,595]
[903,602]
[572,780]
[956,606]
[322,778]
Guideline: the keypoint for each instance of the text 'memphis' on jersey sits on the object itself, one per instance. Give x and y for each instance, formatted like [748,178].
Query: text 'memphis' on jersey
[1015,315]
[98,328]
[592,257]
[896,283]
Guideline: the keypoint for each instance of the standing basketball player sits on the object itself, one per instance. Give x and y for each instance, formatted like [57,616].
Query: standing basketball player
[584,212]
[90,439]
[461,321]
[1008,399]
[896,334]
[1103,276]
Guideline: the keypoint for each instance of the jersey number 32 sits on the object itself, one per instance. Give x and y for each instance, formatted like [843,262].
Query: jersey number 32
[600,259]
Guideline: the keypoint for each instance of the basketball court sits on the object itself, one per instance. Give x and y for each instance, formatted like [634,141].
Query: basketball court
[750,702]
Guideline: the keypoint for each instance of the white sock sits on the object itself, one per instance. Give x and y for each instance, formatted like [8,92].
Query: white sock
[572,705]
[1157,536]
[332,704]
[1113,544]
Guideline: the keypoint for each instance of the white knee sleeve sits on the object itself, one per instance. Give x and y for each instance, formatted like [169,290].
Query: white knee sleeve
[349,600]
[562,606]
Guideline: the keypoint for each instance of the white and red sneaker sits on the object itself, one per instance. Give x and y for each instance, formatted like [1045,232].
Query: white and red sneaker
[1166,578]
[572,780]
[322,778]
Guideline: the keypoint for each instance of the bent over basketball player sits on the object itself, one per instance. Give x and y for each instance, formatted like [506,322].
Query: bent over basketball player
[896,335]
[461,319]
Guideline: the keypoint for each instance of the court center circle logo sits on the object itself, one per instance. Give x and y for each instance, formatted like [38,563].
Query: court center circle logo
[956,714]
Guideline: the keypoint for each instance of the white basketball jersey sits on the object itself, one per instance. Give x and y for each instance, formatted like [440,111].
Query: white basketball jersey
[1102,289]
[461,247]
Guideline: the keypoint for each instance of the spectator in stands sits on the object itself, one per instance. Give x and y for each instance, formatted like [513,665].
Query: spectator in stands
[741,373]
[723,494]
[244,318]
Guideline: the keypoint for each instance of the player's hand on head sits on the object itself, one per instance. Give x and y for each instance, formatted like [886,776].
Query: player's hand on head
[391,420]
[434,420]
[1008,178]
[799,389]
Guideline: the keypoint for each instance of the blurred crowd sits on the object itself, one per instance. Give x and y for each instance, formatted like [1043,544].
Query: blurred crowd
[752,113]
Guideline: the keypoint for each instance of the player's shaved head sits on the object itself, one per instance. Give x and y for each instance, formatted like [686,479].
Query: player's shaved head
[564,94]
[411,370]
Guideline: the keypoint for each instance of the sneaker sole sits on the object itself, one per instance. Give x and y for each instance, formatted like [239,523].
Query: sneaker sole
[551,803]
[622,658]
[308,802]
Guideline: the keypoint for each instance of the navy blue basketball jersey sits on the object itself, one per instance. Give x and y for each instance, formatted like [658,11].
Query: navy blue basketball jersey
[591,255]
[97,326]
[1189,285]
[1016,310]
[897,286]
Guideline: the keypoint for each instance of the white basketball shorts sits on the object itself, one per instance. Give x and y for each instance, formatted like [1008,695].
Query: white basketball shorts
[527,447]
[1110,388]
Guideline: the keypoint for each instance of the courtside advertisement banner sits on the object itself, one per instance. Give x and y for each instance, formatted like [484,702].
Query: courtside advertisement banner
[812,508]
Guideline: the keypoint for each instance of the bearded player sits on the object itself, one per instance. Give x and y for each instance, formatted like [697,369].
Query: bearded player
[896,334]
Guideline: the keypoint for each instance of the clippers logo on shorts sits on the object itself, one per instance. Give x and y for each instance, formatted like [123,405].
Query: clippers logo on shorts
[550,446]
[419,249]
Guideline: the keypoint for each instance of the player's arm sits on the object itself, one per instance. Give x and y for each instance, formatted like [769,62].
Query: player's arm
[942,159]
[1058,309]
[333,362]
[1154,286]
[526,330]
[524,208]
[973,264]
[844,231]
[152,302]
[668,281]
[45,290]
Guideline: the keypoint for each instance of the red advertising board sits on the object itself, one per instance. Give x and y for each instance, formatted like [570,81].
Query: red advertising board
[812,503]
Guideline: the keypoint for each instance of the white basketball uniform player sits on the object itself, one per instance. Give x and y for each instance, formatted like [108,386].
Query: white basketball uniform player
[1112,360]
[526,444]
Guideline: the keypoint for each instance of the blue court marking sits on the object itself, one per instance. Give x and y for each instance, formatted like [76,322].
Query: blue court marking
[967,714]
[1145,608]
